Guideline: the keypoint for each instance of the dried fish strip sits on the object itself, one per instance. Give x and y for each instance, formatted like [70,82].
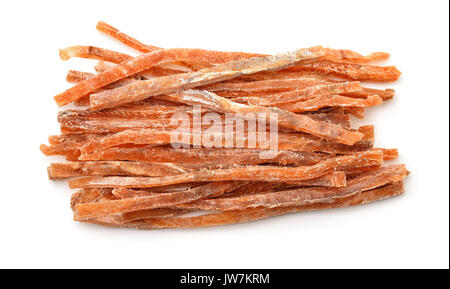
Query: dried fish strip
[70,150]
[119,120]
[146,61]
[263,85]
[92,52]
[389,154]
[204,155]
[345,55]
[331,101]
[164,200]
[386,94]
[150,213]
[285,118]
[351,71]
[249,173]
[365,181]
[126,193]
[76,76]
[87,196]
[234,217]
[307,93]
[167,84]
[286,141]
[131,175]
[124,38]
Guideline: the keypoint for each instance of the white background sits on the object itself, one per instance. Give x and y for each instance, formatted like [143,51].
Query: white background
[37,230]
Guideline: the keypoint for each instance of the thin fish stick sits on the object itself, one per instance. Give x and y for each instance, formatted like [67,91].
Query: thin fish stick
[284,118]
[241,216]
[204,155]
[306,93]
[162,85]
[164,200]
[366,181]
[249,173]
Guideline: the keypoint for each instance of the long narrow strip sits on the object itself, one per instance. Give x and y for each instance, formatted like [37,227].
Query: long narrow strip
[113,168]
[249,173]
[306,93]
[97,124]
[166,84]
[331,101]
[365,181]
[285,141]
[234,217]
[284,118]
[164,200]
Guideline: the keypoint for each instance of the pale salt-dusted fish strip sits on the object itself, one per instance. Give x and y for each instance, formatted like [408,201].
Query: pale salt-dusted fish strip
[249,173]
[164,200]
[146,61]
[204,155]
[285,141]
[166,84]
[76,76]
[332,179]
[241,216]
[366,181]
[330,101]
[284,118]
[306,93]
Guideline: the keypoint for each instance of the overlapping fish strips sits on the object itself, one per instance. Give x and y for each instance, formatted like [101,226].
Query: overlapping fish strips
[117,136]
